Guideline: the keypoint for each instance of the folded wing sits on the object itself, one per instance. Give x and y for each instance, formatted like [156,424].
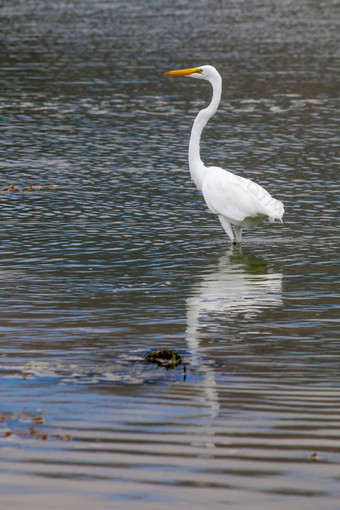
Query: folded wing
[240,200]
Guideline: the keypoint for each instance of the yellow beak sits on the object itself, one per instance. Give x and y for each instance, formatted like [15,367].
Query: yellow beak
[184,72]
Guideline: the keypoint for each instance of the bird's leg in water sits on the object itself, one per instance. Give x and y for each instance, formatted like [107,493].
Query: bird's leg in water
[227,227]
[238,234]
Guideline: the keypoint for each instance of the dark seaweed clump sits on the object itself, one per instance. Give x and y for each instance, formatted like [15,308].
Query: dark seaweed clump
[164,358]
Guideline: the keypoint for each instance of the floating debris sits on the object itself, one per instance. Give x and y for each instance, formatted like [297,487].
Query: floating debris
[164,358]
[9,189]
[38,419]
[64,437]
[30,431]
[28,189]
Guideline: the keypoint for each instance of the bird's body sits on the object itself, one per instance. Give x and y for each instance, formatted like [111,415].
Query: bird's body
[238,202]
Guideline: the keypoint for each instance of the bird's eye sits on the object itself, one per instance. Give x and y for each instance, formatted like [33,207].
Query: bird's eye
[199,71]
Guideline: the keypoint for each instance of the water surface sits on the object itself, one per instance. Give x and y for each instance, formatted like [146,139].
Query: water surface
[111,253]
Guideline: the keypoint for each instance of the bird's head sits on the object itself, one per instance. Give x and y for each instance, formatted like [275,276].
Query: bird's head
[202,73]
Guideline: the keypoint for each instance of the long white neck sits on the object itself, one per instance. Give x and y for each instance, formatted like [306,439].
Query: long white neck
[196,166]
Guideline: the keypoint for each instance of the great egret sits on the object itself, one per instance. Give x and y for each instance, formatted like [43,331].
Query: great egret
[238,202]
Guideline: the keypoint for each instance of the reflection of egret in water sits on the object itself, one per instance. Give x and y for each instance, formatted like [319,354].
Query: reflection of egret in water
[239,285]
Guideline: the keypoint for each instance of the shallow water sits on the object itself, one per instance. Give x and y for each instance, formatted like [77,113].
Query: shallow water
[116,256]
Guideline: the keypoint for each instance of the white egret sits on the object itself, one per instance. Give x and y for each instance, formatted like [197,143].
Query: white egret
[238,202]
